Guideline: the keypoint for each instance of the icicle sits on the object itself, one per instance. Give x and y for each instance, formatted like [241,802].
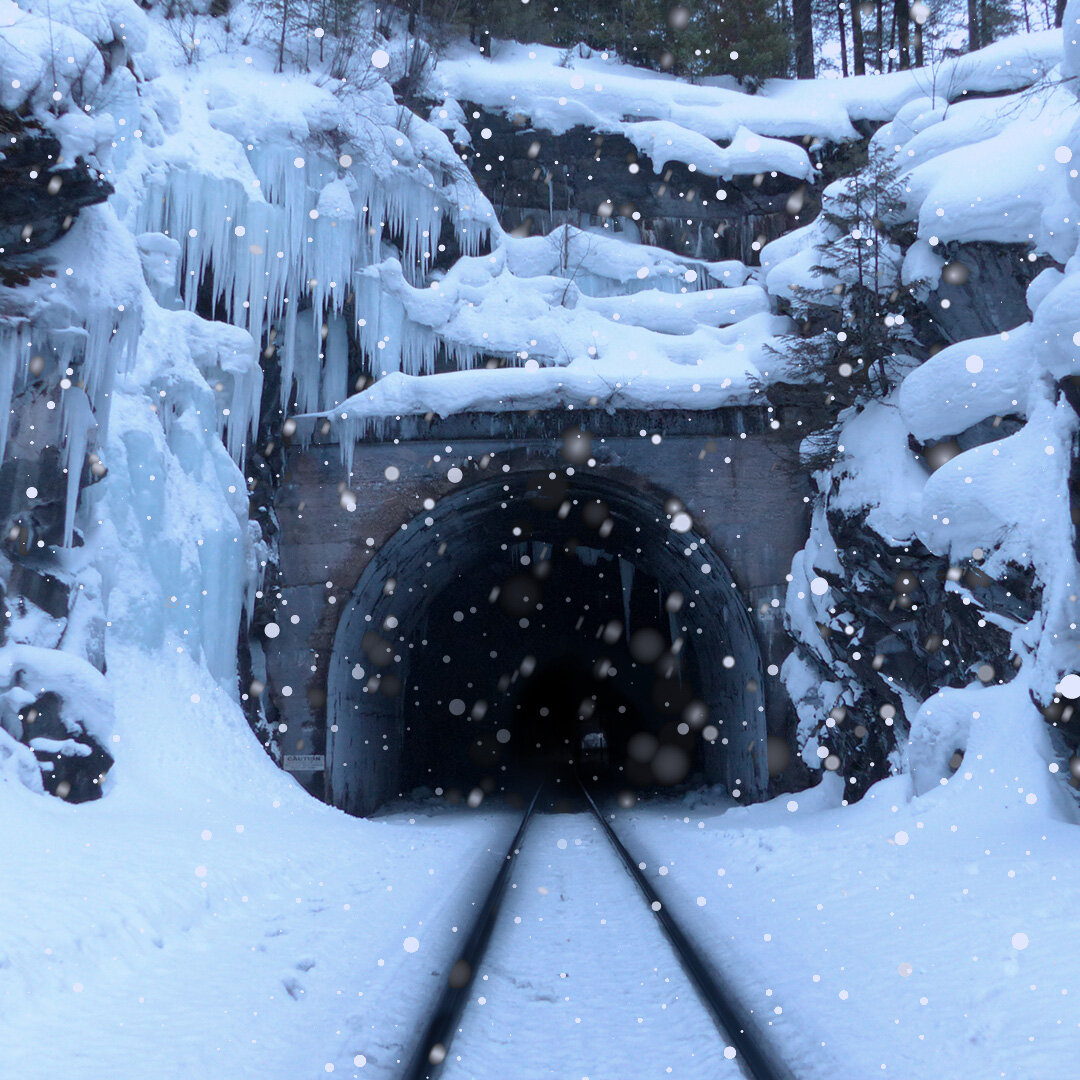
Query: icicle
[12,342]
[626,579]
[335,374]
[77,421]
[244,404]
[287,344]
[304,365]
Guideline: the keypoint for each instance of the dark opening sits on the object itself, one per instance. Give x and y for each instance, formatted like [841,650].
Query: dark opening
[550,660]
[532,628]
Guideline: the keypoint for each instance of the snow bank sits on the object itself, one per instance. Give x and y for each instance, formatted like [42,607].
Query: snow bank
[602,93]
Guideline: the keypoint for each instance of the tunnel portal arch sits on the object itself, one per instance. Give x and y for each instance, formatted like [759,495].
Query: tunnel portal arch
[540,533]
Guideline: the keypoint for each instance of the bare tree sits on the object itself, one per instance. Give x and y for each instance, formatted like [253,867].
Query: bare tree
[803,20]
[857,42]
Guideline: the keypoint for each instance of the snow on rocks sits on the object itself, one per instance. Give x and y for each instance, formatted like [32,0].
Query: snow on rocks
[993,175]
[960,739]
[606,95]
[746,154]
[1009,497]
[968,382]
[879,473]
[85,695]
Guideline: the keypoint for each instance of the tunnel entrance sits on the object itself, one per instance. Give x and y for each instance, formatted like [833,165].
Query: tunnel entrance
[530,626]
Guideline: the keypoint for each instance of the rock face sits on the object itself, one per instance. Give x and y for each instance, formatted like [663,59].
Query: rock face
[983,291]
[903,622]
[73,764]
[537,180]
[46,605]
[42,194]
[920,624]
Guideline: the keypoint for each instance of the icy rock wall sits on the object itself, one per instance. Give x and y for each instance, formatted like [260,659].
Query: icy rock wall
[935,604]
[538,180]
[133,335]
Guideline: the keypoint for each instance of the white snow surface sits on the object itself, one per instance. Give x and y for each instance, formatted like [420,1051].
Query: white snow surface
[899,936]
[579,974]
[206,917]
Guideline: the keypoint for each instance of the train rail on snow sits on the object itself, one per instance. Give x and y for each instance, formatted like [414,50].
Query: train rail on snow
[753,1053]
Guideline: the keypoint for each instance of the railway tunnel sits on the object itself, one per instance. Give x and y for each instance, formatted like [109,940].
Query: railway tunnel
[528,625]
[473,602]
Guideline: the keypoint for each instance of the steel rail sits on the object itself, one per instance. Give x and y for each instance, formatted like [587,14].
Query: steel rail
[753,1055]
[752,1052]
[434,1045]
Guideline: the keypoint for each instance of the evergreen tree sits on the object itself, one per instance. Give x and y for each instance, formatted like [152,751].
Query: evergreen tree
[694,38]
[736,37]
[854,321]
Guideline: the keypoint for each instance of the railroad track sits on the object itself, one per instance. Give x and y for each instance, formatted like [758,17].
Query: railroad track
[744,1049]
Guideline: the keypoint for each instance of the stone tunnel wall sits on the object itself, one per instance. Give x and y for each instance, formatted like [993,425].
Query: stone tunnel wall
[734,474]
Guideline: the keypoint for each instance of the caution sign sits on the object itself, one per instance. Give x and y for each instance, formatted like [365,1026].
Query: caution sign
[305,762]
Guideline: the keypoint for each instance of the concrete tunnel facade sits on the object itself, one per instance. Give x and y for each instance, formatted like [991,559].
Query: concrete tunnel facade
[482,594]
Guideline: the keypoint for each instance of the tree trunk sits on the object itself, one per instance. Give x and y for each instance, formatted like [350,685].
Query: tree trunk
[903,26]
[892,37]
[973,24]
[857,44]
[281,43]
[879,12]
[920,57]
[803,18]
[1059,12]
[843,38]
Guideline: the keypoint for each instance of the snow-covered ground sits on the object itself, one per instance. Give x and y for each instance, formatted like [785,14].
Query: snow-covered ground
[920,938]
[216,921]
[578,979]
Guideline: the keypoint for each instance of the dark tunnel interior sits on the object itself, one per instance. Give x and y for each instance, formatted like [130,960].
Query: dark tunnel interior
[551,661]
[530,630]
